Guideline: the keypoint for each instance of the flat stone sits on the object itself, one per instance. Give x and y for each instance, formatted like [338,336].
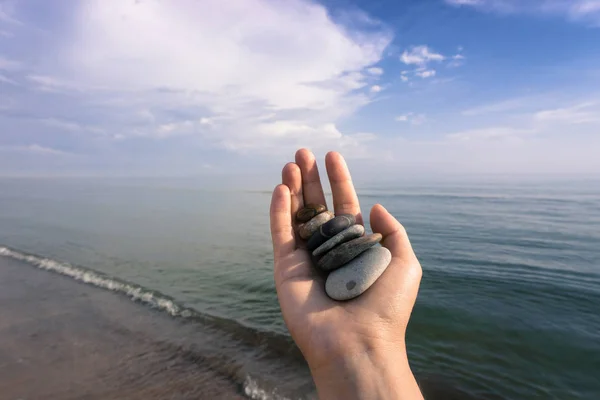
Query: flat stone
[329,230]
[307,229]
[340,255]
[354,278]
[355,231]
[309,211]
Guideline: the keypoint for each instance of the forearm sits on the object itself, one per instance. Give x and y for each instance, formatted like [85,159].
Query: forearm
[372,374]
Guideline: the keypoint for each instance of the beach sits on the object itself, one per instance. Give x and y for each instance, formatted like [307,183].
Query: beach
[60,339]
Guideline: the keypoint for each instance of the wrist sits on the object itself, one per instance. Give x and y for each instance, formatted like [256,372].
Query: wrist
[369,370]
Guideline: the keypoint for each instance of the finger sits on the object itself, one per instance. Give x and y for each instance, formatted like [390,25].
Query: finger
[282,233]
[311,182]
[292,178]
[394,234]
[345,200]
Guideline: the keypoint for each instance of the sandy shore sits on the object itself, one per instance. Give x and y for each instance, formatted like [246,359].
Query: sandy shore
[60,339]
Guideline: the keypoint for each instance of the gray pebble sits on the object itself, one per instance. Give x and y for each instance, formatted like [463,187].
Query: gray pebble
[307,229]
[345,252]
[355,231]
[354,278]
[329,230]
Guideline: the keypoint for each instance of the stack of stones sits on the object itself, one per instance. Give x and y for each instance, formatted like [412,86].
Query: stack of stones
[352,261]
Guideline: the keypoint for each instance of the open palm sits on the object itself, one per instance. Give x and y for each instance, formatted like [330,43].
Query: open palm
[323,328]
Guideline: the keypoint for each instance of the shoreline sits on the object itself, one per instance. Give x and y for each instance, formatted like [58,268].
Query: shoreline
[61,339]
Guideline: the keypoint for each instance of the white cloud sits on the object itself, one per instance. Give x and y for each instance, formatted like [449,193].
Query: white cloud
[260,72]
[5,34]
[426,73]
[412,118]
[35,149]
[578,114]
[375,71]
[420,55]
[376,89]
[577,10]
[541,122]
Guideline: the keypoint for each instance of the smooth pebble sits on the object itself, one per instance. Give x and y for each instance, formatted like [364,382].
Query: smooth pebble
[354,278]
[329,230]
[307,229]
[340,255]
[355,231]
[309,211]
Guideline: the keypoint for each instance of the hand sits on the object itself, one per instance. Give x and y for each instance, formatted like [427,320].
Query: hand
[355,349]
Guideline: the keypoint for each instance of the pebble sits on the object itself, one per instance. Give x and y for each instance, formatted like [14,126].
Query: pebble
[329,230]
[353,232]
[307,229]
[358,275]
[309,211]
[345,252]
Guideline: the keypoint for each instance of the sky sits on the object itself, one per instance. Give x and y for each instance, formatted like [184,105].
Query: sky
[218,87]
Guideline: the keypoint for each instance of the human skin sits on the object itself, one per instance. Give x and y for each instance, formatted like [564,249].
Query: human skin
[354,349]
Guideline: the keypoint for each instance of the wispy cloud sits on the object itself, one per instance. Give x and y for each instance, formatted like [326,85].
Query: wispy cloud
[7,64]
[531,123]
[35,149]
[71,126]
[500,106]
[5,79]
[7,13]
[412,118]
[420,55]
[491,133]
[578,10]
[426,73]
[377,71]
[578,114]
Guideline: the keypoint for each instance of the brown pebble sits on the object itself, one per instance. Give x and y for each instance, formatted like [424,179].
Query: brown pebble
[309,211]
[307,229]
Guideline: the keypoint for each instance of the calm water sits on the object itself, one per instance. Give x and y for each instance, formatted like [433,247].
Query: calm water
[509,306]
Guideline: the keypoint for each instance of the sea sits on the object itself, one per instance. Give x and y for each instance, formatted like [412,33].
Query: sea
[509,305]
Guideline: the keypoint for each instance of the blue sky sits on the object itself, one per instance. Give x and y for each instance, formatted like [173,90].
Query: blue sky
[207,87]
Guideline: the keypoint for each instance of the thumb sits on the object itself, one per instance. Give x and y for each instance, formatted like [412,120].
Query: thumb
[394,235]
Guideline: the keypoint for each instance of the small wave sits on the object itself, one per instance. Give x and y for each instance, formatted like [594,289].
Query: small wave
[255,392]
[135,292]
[270,343]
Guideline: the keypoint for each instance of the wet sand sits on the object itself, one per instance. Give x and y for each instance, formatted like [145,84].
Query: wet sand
[61,339]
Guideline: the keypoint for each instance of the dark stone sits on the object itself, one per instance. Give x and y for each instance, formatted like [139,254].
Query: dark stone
[345,252]
[355,231]
[329,230]
[309,211]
